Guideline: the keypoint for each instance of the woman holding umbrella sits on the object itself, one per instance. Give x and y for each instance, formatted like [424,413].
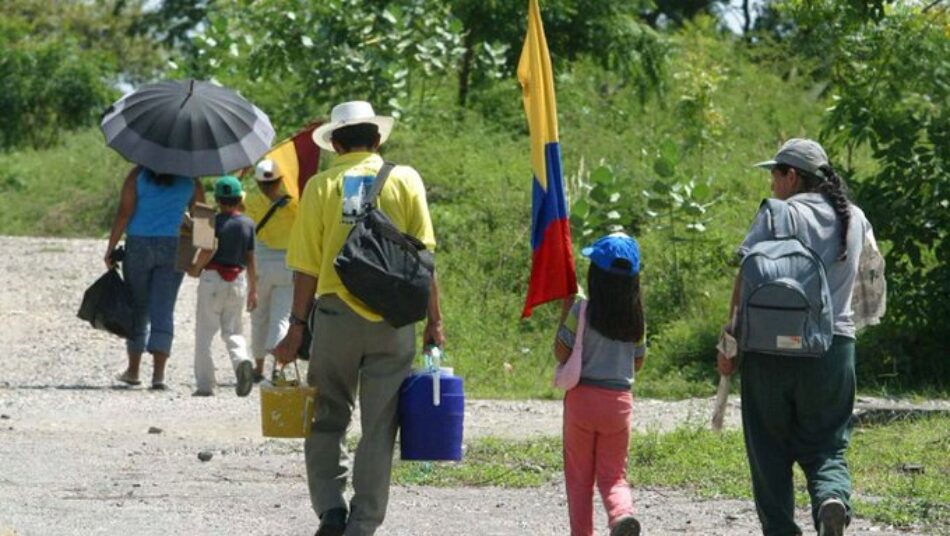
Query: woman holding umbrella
[150,212]
[175,131]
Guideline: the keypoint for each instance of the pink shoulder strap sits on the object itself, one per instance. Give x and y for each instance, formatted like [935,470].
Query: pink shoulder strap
[568,374]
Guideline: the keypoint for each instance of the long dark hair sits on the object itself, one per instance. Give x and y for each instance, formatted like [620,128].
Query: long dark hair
[833,187]
[614,306]
[161,179]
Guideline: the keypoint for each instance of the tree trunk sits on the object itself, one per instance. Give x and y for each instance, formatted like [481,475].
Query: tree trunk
[746,18]
[465,70]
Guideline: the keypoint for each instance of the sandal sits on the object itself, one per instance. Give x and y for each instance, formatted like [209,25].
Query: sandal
[128,380]
[159,386]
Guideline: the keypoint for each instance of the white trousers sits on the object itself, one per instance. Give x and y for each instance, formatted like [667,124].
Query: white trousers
[275,294]
[220,307]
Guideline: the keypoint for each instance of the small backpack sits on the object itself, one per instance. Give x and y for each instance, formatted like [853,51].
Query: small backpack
[785,302]
[388,270]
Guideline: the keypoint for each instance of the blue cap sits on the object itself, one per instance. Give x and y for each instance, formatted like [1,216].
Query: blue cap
[612,247]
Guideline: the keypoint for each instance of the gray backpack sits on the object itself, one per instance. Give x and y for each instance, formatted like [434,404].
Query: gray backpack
[785,302]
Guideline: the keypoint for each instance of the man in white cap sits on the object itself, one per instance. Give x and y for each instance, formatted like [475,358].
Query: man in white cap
[352,345]
[273,212]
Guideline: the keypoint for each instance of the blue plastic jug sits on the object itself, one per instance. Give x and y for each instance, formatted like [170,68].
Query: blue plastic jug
[431,415]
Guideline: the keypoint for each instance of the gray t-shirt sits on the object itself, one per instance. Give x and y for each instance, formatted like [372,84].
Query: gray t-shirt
[819,229]
[235,234]
[606,362]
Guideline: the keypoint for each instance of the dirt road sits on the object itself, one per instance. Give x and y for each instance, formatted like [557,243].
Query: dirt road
[77,456]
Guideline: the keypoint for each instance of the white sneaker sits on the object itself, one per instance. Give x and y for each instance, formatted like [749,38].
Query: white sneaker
[832,517]
[245,378]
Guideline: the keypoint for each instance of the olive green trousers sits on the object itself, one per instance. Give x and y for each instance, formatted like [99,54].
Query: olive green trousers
[797,410]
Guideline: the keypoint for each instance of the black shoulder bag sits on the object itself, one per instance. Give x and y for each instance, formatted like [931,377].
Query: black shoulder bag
[388,270]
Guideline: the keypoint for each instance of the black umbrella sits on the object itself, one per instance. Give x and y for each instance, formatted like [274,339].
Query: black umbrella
[187,127]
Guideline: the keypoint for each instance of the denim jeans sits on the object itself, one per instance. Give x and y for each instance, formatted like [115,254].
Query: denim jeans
[149,270]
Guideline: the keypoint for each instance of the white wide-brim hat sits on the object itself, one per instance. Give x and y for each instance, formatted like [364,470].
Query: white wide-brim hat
[351,113]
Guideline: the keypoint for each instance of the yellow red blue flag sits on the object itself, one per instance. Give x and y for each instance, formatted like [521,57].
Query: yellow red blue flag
[552,264]
[298,159]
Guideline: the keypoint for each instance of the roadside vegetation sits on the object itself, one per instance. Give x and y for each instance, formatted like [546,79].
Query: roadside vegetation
[662,112]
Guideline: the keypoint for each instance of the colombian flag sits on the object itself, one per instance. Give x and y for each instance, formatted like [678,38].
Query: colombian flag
[552,263]
[298,159]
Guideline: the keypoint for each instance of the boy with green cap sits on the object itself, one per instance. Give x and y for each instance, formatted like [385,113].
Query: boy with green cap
[224,289]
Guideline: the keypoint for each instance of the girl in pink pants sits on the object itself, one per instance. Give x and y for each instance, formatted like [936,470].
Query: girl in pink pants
[597,410]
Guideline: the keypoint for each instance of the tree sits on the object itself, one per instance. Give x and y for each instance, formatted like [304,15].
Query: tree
[890,78]
[58,62]
[610,32]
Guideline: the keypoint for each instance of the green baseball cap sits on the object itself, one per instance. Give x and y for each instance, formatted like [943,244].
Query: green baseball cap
[806,155]
[228,186]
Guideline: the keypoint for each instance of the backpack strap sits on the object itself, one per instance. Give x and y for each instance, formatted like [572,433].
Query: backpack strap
[781,222]
[378,182]
[281,201]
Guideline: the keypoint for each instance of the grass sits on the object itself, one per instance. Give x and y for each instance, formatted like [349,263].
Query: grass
[476,167]
[714,465]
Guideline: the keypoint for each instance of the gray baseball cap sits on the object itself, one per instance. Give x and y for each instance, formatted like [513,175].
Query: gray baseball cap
[806,155]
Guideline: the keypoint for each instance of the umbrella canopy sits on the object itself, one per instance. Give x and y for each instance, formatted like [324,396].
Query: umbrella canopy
[187,127]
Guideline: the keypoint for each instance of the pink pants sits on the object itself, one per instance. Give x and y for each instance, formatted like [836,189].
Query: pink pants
[596,439]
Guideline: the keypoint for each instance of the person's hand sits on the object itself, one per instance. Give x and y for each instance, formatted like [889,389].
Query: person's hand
[725,365]
[286,350]
[251,300]
[638,363]
[433,335]
[110,264]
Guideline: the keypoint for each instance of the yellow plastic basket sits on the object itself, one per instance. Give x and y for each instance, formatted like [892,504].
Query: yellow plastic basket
[287,407]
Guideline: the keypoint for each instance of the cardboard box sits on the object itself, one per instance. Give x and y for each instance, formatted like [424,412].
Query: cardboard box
[197,232]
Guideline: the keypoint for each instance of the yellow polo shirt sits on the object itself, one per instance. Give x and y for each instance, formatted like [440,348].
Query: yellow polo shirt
[276,234]
[332,201]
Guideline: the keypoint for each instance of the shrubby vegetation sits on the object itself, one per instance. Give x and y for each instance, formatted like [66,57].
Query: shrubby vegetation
[661,112]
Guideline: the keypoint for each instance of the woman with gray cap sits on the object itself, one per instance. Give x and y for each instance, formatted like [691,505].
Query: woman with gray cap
[795,408]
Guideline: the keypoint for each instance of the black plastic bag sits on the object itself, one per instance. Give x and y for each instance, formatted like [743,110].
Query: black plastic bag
[107,305]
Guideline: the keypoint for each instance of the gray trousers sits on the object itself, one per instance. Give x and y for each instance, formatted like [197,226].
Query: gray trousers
[350,351]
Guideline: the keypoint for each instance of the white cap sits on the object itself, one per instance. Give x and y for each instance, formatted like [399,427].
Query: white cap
[267,171]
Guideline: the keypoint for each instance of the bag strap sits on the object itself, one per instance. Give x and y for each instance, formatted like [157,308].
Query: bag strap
[378,182]
[781,222]
[270,212]
[581,321]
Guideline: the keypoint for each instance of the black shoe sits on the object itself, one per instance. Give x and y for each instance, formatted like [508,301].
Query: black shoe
[245,378]
[832,518]
[258,377]
[332,522]
[626,526]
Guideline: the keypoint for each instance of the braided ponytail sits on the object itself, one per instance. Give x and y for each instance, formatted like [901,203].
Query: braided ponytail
[835,191]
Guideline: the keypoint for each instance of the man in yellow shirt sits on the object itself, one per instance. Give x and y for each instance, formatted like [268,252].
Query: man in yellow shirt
[352,345]
[269,321]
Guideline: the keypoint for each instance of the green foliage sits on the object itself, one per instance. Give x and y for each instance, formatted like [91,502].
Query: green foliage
[679,209]
[696,139]
[609,32]
[891,83]
[46,88]
[297,58]
[599,205]
[69,190]
[57,60]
